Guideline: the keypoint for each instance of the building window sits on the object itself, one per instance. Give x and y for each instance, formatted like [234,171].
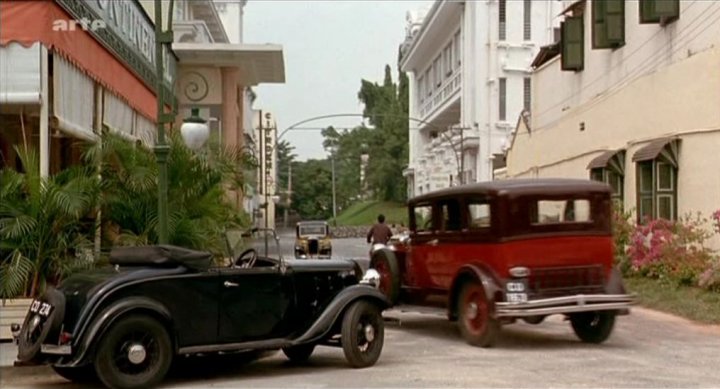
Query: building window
[657,175]
[428,82]
[527,25]
[526,93]
[609,168]
[457,42]
[608,24]
[659,11]
[448,59]
[421,88]
[437,71]
[502,89]
[501,20]
[571,41]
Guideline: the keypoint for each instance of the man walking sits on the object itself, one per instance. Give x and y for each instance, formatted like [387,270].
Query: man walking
[380,232]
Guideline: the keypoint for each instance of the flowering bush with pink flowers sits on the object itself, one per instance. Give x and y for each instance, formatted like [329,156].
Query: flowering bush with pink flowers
[673,252]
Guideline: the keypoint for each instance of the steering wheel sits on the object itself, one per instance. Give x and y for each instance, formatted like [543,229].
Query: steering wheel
[246,259]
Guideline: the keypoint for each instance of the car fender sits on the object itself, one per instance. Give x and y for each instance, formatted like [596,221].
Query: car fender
[333,312]
[615,285]
[110,315]
[476,272]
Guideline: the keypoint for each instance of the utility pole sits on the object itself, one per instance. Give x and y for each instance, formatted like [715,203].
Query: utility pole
[332,162]
[263,179]
[288,200]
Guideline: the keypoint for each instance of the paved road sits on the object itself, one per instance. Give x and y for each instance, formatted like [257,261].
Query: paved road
[647,350]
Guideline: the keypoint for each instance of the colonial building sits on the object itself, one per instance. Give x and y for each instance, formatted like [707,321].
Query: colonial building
[469,69]
[215,73]
[630,96]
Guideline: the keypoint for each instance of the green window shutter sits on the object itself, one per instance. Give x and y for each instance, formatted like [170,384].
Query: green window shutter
[599,25]
[608,23]
[615,22]
[572,37]
[659,11]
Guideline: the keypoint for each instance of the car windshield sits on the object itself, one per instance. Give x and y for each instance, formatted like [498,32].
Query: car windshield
[312,229]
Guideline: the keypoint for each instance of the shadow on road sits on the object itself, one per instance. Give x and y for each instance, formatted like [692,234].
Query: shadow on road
[556,335]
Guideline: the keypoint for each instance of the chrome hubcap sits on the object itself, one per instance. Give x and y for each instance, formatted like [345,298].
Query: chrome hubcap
[369,333]
[471,311]
[136,354]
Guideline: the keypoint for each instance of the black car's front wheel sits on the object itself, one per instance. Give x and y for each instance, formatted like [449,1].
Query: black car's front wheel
[300,353]
[363,334]
[135,352]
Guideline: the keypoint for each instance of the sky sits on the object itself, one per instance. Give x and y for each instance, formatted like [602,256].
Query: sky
[328,48]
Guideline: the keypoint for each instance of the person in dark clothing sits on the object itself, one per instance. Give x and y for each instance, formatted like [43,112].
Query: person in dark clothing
[380,232]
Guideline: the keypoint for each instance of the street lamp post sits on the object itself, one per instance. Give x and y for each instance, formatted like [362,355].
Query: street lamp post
[333,149]
[194,130]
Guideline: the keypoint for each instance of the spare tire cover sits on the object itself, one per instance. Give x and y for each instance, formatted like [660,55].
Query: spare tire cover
[37,329]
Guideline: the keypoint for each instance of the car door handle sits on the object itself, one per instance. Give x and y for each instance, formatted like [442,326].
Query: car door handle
[229,284]
[433,242]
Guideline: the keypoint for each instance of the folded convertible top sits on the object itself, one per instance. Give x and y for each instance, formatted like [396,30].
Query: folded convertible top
[161,256]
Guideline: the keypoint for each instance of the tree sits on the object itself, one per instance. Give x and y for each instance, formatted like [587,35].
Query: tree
[386,107]
[197,189]
[285,159]
[312,189]
[43,225]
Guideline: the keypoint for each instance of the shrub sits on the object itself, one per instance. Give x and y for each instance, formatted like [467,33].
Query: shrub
[622,227]
[671,251]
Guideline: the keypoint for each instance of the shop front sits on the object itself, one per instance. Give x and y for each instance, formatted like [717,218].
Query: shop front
[70,70]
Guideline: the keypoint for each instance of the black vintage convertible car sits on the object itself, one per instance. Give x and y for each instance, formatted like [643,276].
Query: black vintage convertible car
[125,323]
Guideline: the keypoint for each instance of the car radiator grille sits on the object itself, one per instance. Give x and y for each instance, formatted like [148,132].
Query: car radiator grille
[565,281]
[313,246]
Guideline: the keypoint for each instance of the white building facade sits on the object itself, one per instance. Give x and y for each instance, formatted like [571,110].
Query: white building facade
[469,68]
[642,115]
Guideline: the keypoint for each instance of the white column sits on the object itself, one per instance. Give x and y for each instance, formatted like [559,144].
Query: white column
[44,114]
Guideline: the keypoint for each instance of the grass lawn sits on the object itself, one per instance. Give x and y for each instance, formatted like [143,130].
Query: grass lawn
[365,213]
[693,303]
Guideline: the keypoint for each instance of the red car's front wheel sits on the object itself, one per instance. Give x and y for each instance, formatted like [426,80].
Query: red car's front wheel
[476,323]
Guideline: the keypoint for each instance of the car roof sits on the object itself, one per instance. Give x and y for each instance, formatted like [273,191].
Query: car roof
[520,186]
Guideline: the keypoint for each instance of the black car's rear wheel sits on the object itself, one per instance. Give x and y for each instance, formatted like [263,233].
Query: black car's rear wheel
[363,334]
[385,263]
[82,374]
[135,352]
[476,323]
[299,353]
[38,328]
[593,327]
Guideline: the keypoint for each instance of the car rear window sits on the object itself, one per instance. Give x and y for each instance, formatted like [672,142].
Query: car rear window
[561,211]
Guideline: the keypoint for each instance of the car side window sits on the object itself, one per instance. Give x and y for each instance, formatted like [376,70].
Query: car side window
[479,214]
[451,215]
[422,215]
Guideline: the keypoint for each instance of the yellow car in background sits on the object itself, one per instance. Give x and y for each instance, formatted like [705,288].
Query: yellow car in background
[312,240]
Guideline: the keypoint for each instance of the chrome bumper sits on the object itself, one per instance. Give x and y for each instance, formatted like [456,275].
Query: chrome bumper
[565,304]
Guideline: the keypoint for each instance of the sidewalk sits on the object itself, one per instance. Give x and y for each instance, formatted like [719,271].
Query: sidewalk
[8,353]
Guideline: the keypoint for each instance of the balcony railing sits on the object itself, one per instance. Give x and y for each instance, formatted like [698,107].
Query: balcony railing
[447,89]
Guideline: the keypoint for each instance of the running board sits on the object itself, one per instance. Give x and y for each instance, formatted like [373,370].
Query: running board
[253,345]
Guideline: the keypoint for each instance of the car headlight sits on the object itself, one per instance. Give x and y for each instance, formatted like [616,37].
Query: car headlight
[371,277]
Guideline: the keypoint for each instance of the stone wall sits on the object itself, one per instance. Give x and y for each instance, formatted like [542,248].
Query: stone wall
[349,231]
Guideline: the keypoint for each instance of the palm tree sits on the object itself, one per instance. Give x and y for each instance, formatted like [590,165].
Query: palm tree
[42,224]
[197,188]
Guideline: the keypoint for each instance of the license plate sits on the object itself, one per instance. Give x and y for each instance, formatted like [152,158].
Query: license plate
[516,291]
[41,308]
